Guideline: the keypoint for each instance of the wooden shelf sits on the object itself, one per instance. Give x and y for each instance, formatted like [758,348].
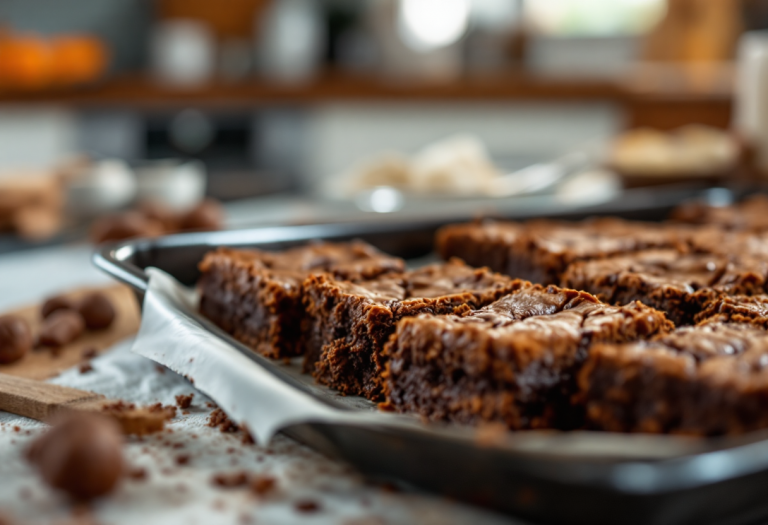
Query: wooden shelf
[141,91]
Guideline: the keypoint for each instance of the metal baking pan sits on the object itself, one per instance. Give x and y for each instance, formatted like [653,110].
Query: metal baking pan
[715,481]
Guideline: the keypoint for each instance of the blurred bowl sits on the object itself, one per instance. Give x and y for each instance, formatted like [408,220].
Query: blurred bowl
[178,184]
[100,187]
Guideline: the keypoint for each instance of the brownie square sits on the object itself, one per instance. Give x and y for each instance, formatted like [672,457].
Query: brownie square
[540,251]
[349,323]
[513,362]
[702,380]
[748,215]
[681,284]
[256,296]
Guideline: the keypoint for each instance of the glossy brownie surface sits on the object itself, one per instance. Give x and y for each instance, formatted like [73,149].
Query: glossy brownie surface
[351,322]
[540,251]
[710,379]
[512,362]
[257,295]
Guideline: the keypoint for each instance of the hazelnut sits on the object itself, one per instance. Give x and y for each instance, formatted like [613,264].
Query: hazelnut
[208,215]
[56,303]
[62,327]
[97,311]
[15,338]
[82,455]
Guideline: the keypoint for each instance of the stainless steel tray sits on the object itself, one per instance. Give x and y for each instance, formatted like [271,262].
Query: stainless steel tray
[717,481]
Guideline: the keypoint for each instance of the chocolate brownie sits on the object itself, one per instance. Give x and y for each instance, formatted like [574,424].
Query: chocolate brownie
[681,284]
[540,251]
[512,362]
[257,295]
[736,309]
[750,214]
[707,380]
[349,323]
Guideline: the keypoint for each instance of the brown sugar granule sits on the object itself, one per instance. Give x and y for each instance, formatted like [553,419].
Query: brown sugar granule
[90,352]
[85,367]
[183,459]
[137,474]
[218,419]
[184,400]
[82,455]
[230,479]
[307,506]
[262,485]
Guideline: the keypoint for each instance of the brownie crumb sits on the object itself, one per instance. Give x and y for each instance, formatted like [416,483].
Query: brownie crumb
[160,369]
[184,401]
[177,445]
[137,474]
[16,428]
[263,485]
[230,479]
[118,406]
[183,459]
[85,367]
[247,438]
[170,410]
[211,404]
[218,419]
[307,506]
[386,406]
[90,352]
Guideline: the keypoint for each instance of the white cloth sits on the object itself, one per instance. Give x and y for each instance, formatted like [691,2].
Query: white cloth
[184,494]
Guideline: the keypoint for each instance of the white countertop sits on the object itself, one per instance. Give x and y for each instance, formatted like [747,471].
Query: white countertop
[183,494]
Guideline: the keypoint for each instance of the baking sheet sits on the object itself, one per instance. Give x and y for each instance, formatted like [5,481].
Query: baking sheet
[269,396]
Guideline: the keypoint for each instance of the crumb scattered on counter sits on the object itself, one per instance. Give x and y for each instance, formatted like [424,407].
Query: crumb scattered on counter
[307,506]
[184,400]
[230,479]
[263,485]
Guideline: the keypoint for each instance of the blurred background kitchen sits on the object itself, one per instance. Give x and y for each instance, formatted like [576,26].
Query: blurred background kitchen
[139,117]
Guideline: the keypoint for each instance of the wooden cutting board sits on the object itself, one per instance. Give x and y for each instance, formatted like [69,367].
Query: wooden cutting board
[43,363]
